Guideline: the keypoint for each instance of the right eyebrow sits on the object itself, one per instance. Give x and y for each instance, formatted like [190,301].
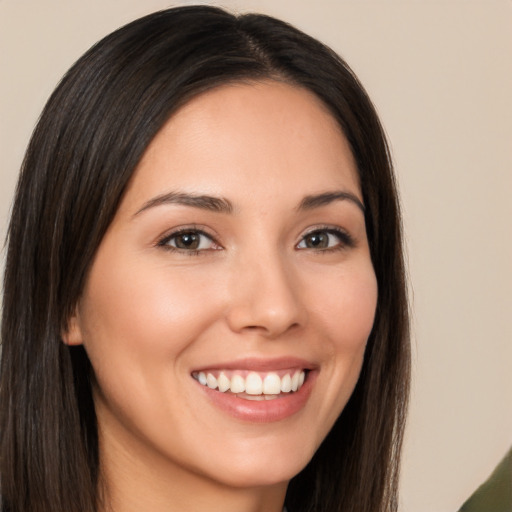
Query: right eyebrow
[204,202]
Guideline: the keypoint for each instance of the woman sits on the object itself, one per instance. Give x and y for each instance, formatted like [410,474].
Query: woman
[204,299]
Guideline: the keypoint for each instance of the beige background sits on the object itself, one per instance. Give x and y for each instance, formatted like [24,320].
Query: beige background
[440,73]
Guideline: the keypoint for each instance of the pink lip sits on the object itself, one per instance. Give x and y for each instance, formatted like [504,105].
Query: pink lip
[265,411]
[260,365]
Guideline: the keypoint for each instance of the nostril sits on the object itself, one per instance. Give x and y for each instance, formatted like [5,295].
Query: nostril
[270,331]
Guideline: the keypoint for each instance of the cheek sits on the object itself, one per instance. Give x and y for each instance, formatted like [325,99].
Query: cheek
[343,304]
[134,314]
[346,306]
[138,324]
[141,300]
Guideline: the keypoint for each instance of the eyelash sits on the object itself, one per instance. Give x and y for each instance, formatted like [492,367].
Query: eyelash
[164,242]
[345,240]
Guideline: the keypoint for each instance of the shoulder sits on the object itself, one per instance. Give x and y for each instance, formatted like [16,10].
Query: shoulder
[496,493]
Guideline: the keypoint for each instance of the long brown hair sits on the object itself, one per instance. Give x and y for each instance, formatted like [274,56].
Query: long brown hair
[88,141]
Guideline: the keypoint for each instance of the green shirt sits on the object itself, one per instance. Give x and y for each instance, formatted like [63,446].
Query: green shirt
[495,495]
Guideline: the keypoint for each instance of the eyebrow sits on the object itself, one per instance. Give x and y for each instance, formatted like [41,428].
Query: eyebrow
[222,205]
[204,202]
[325,198]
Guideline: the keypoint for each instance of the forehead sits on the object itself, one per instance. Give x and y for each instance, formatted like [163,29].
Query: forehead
[267,137]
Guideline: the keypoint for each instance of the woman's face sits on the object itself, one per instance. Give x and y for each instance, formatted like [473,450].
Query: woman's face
[238,259]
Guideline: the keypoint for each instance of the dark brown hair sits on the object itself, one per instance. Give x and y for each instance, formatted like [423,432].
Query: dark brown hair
[88,141]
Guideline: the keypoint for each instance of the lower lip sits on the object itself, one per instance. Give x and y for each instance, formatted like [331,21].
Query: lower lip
[262,411]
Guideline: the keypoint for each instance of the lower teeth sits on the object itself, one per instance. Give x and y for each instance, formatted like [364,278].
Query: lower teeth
[245,396]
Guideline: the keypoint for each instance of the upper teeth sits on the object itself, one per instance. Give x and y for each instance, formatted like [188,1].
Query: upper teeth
[254,383]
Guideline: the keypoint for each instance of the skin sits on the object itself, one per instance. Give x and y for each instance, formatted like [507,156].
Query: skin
[151,314]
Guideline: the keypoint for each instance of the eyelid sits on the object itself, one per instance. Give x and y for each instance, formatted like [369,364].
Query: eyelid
[162,241]
[345,238]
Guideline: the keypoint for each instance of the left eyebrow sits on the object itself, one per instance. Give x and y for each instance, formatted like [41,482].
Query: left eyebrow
[325,198]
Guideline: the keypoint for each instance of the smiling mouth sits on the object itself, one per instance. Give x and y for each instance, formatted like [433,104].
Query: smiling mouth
[251,385]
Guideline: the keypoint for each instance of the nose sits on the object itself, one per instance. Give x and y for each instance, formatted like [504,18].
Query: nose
[265,298]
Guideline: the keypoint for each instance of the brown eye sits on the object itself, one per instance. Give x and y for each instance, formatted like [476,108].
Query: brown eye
[188,240]
[317,240]
[325,239]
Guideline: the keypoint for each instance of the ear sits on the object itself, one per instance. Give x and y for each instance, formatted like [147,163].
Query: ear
[72,334]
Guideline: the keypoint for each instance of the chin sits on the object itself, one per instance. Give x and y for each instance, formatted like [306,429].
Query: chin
[260,468]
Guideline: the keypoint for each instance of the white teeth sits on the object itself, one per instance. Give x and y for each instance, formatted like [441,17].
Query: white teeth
[211,381]
[272,384]
[257,398]
[286,384]
[267,386]
[237,384]
[295,381]
[253,384]
[224,383]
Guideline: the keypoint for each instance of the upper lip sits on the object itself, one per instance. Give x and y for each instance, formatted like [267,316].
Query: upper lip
[260,364]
